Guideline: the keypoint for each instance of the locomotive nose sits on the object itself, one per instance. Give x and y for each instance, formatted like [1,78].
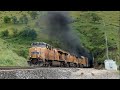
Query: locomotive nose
[35,54]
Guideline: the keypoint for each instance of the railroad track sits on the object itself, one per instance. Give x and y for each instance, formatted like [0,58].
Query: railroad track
[14,68]
[11,68]
[33,67]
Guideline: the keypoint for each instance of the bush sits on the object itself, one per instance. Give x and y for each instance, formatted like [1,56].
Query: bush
[33,14]
[22,53]
[13,32]
[7,19]
[95,17]
[5,33]
[23,19]
[29,33]
[14,20]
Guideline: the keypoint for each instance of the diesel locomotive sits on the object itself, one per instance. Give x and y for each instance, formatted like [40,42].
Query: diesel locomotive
[45,55]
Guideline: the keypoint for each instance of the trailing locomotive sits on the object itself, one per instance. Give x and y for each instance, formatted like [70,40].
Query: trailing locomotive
[44,55]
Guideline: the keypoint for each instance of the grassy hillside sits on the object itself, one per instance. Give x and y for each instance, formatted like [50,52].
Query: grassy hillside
[83,26]
[8,57]
[14,45]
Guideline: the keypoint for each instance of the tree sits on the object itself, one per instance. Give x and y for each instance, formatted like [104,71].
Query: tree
[33,14]
[7,19]
[97,40]
[4,33]
[14,19]
[23,19]
[95,17]
[29,33]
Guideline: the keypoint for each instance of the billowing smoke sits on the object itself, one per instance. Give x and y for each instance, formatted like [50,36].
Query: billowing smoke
[58,27]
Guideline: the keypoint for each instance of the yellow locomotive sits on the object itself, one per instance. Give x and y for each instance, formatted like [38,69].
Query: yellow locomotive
[43,54]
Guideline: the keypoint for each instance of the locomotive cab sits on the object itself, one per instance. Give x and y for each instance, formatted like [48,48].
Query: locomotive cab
[36,52]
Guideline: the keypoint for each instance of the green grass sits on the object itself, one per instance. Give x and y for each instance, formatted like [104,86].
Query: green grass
[8,57]
[111,20]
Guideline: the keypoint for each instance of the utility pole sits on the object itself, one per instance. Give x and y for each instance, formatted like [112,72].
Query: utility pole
[106,42]
[119,36]
[119,43]
[106,46]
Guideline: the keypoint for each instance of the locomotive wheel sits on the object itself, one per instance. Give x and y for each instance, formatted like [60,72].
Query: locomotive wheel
[61,64]
[40,64]
[73,65]
[48,64]
[81,66]
[77,66]
[67,64]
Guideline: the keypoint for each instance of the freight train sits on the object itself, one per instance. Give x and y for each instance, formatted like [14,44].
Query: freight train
[45,55]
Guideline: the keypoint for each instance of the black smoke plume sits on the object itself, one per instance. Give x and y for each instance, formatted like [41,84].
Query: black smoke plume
[58,27]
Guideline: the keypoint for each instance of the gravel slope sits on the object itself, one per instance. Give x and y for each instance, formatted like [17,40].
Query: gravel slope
[59,73]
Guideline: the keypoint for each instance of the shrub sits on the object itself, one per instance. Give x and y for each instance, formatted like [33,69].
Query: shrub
[22,53]
[95,17]
[23,19]
[14,20]
[14,32]
[28,33]
[33,14]
[4,33]
[7,19]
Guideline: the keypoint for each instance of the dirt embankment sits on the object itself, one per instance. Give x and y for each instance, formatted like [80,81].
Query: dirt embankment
[59,73]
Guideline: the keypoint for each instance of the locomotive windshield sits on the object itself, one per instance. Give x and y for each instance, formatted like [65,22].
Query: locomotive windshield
[39,44]
[35,52]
